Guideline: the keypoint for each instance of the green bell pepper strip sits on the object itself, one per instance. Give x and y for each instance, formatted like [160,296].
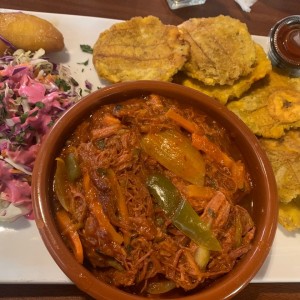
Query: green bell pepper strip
[66,170]
[176,153]
[72,167]
[60,178]
[181,213]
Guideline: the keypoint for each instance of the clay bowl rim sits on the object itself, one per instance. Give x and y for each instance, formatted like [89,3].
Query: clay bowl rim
[224,288]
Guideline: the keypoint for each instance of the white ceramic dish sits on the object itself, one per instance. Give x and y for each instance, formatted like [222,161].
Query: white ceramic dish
[23,256]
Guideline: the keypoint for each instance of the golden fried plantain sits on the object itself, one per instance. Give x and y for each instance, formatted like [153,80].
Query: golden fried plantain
[28,32]
[223,93]
[222,49]
[141,48]
[284,155]
[272,107]
[284,106]
[289,215]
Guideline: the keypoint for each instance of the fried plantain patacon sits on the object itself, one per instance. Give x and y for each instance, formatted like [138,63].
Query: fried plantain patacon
[272,107]
[222,49]
[226,92]
[289,215]
[284,155]
[141,48]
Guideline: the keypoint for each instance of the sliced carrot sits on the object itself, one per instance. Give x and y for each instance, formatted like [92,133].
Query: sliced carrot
[181,121]
[120,196]
[121,203]
[200,192]
[238,173]
[202,143]
[110,120]
[67,229]
[96,208]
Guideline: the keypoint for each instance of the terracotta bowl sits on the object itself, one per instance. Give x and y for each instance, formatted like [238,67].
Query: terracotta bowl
[264,208]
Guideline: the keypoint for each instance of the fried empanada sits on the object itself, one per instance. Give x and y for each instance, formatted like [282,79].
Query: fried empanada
[28,32]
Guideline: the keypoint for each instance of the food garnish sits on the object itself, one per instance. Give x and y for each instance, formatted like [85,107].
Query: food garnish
[86,48]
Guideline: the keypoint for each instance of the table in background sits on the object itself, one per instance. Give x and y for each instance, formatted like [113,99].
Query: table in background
[263,15]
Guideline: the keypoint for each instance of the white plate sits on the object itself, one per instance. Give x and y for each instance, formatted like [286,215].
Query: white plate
[23,256]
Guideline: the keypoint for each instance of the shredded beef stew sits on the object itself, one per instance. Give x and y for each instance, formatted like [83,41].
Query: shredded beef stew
[147,196]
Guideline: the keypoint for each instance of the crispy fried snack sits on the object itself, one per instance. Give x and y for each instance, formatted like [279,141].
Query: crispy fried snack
[284,155]
[222,49]
[224,93]
[289,215]
[3,47]
[271,108]
[29,32]
[141,48]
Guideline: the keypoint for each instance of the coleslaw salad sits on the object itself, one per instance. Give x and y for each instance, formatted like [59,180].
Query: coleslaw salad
[34,93]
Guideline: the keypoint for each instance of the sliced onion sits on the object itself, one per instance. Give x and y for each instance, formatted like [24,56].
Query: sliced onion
[202,256]
[160,287]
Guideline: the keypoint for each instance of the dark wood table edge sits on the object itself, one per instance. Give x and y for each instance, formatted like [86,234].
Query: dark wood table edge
[266,291]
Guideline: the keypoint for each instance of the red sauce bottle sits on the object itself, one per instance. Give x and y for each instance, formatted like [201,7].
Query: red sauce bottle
[284,51]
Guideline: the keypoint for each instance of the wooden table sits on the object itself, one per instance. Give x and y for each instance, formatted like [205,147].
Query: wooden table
[263,15]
